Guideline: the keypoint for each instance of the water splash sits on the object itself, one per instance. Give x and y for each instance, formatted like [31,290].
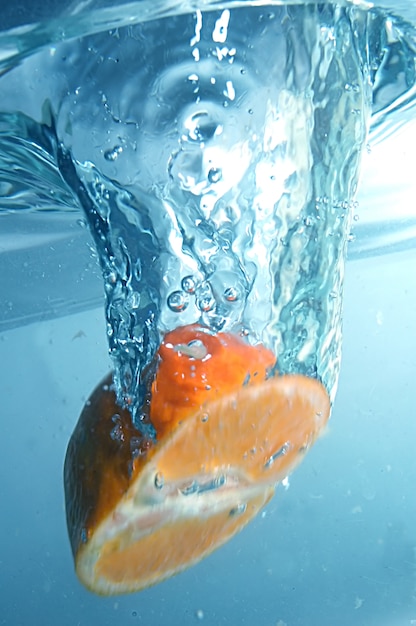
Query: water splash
[218,177]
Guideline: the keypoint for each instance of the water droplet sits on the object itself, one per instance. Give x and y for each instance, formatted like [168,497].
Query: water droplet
[159,480]
[231,294]
[113,154]
[204,417]
[188,284]
[178,301]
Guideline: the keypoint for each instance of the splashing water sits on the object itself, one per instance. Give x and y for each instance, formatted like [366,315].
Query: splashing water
[215,156]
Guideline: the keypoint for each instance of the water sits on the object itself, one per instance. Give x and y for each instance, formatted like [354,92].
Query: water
[176,228]
[212,158]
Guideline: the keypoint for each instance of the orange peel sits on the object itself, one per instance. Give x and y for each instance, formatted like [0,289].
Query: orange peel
[139,511]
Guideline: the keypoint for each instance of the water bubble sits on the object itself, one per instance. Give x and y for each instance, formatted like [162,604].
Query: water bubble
[159,480]
[110,277]
[113,153]
[199,614]
[195,349]
[133,300]
[117,433]
[206,303]
[205,300]
[201,127]
[238,510]
[215,175]
[231,294]
[188,284]
[281,452]
[178,301]
[137,269]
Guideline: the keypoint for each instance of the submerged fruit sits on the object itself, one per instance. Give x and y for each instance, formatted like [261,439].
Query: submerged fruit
[195,366]
[139,511]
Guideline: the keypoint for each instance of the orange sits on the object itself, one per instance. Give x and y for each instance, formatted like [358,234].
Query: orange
[140,511]
[195,365]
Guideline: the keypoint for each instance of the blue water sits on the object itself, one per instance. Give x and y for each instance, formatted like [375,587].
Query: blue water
[337,547]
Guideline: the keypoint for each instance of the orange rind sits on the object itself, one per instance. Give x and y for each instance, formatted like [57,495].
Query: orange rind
[140,510]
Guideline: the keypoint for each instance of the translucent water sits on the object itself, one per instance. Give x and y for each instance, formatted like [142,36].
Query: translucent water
[339,550]
[217,173]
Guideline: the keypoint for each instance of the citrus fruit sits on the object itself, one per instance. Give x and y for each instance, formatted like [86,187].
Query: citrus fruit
[139,510]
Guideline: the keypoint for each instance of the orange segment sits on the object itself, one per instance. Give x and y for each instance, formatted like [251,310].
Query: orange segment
[139,511]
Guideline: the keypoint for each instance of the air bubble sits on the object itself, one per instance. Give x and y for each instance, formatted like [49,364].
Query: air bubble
[188,284]
[195,349]
[138,269]
[133,300]
[281,452]
[116,432]
[178,301]
[238,510]
[205,300]
[205,304]
[215,175]
[159,480]
[230,294]
[113,154]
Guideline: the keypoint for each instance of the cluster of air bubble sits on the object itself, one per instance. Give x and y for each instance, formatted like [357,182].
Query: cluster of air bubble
[200,295]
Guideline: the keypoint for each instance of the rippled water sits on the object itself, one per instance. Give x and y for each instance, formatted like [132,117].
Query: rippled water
[214,157]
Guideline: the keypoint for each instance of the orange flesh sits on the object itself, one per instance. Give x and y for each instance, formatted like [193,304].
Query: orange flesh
[225,436]
[197,366]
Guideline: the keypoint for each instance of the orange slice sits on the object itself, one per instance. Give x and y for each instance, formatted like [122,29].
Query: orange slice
[139,511]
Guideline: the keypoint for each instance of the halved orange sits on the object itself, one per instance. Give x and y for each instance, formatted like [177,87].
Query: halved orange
[140,511]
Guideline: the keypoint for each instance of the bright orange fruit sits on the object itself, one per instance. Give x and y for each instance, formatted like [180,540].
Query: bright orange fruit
[140,511]
[195,366]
